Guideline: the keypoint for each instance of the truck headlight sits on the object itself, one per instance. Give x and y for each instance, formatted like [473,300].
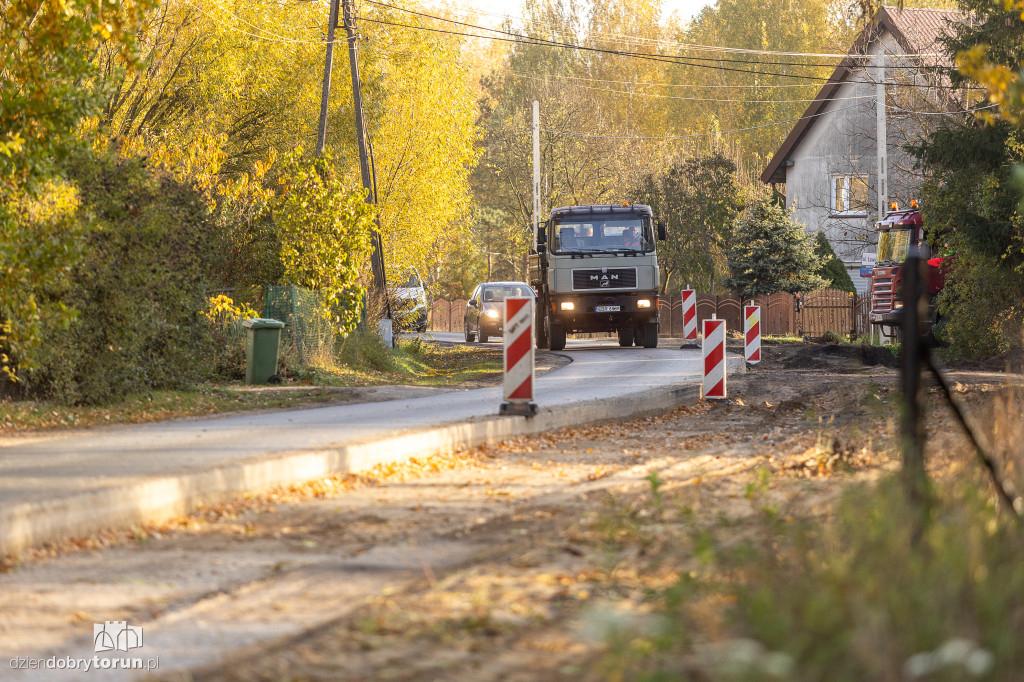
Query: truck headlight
[492,313]
[897,305]
[568,305]
[643,303]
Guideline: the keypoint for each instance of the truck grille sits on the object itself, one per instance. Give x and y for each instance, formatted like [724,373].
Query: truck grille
[881,295]
[604,278]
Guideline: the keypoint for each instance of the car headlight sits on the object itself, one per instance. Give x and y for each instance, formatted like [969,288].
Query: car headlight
[643,303]
[492,313]
[568,305]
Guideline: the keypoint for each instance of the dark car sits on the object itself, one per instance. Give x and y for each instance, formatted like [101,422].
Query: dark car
[485,311]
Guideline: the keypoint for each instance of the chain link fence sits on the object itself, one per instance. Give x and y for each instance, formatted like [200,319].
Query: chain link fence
[308,332]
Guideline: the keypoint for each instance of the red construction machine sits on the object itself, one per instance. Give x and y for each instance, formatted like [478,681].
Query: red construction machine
[897,233]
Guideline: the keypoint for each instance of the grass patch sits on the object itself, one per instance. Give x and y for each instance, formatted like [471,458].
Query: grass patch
[206,399]
[361,360]
[847,595]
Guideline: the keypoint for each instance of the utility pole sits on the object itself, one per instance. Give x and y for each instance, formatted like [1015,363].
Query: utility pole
[881,138]
[536,171]
[321,135]
[376,258]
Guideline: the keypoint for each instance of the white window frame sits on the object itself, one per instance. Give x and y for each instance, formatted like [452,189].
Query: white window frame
[833,203]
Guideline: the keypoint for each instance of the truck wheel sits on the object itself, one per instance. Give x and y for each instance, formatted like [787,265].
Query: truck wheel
[651,335]
[625,336]
[542,331]
[557,336]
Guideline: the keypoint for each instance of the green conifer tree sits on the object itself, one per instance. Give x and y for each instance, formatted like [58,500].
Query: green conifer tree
[832,270]
[769,253]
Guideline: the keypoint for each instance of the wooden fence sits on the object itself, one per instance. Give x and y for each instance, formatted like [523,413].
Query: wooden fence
[807,315]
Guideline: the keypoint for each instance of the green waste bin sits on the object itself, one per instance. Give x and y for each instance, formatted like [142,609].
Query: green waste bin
[262,346]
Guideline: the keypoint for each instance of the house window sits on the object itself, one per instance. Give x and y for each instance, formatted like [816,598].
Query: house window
[850,194]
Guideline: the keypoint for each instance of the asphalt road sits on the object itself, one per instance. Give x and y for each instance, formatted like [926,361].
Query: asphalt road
[56,465]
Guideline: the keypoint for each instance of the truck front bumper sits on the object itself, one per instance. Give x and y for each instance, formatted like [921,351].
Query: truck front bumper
[600,312]
[889,317]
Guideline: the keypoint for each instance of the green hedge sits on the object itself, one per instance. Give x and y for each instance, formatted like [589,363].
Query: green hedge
[139,288]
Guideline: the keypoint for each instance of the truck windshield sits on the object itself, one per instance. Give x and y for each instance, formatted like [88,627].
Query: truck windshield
[893,245]
[615,234]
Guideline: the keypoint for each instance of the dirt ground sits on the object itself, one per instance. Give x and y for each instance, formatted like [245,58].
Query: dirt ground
[496,563]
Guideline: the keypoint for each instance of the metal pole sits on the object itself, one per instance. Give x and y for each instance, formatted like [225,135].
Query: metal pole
[321,136]
[364,165]
[536,171]
[881,139]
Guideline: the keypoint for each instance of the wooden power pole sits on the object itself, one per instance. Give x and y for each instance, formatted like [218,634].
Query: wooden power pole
[376,260]
[321,135]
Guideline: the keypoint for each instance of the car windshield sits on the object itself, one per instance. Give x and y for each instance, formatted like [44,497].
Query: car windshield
[625,234]
[499,292]
[893,245]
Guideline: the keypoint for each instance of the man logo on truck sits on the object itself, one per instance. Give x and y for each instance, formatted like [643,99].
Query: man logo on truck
[605,280]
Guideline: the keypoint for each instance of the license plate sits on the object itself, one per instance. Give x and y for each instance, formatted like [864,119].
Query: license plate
[606,309]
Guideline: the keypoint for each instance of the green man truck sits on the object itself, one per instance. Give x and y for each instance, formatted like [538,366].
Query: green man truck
[595,269]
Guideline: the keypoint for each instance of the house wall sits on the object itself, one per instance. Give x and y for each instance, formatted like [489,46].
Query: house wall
[842,142]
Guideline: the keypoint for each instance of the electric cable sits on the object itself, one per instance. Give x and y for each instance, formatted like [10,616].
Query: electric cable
[676,61]
[711,99]
[653,41]
[634,54]
[681,137]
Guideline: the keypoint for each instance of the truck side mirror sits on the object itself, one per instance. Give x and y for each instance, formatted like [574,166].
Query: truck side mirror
[662,232]
[542,235]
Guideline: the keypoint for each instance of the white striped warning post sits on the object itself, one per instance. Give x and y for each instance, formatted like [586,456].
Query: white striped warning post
[713,351]
[752,333]
[518,384]
[689,315]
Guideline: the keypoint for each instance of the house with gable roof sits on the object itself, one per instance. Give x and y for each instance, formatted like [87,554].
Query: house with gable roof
[829,162]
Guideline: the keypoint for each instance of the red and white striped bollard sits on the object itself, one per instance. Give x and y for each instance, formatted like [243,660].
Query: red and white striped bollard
[690,315]
[518,358]
[752,333]
[713,352]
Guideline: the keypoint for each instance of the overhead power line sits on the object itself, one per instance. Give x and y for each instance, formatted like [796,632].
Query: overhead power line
[513,38]
[715,60]
[682,137]
[940,113]
[524,40]
[662,85]
[712,99]
[625,38]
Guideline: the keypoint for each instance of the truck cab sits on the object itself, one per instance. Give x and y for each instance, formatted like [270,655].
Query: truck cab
[595,269]
[897,233]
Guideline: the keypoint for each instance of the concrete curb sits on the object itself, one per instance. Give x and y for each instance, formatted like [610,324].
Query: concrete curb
[156,498]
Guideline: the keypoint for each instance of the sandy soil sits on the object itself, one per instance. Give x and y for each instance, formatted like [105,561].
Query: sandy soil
[491,564]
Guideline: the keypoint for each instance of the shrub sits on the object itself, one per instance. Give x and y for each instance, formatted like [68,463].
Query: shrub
[139,287]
